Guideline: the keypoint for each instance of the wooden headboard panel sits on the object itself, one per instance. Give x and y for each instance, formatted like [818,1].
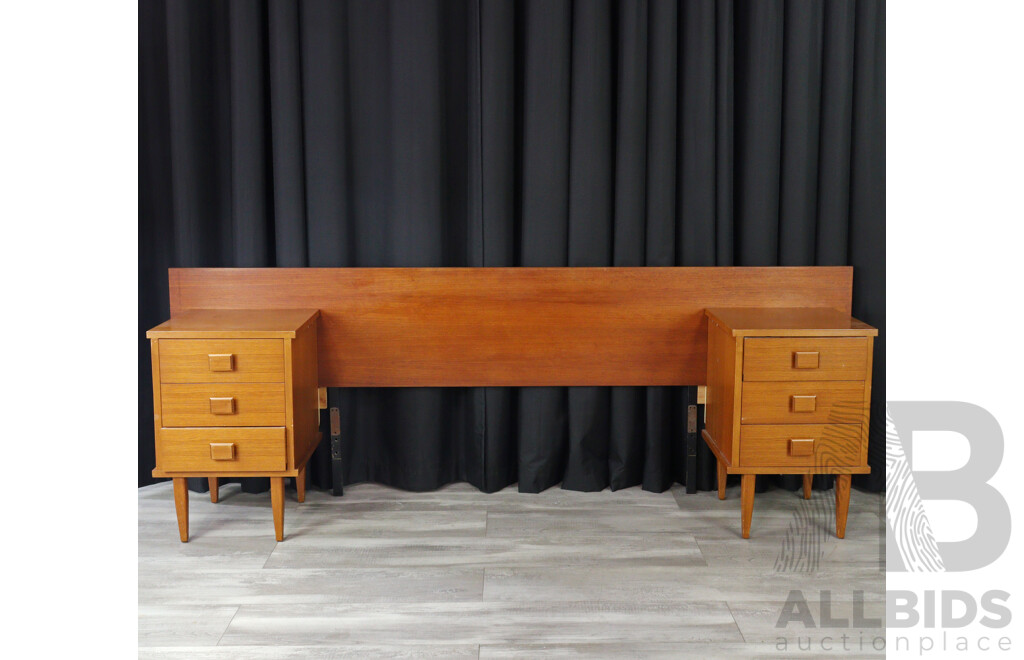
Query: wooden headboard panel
[401,327]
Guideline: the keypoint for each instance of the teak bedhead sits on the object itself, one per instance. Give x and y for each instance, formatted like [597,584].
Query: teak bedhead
[447,327]
[237,367]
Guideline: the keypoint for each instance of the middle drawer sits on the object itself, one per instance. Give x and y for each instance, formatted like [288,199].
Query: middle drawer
[227,404]
[803,402]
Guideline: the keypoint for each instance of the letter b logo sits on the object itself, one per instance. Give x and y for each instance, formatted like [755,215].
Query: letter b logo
[910,544]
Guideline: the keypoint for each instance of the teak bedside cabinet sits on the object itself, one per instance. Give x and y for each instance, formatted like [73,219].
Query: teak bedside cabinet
[789,392]
[235,395]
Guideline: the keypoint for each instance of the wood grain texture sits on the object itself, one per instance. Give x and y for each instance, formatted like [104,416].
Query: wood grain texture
[775,358]
[803,402]
[304,399]
[203,404]
[230,321]
[258,586]
[721,416]
[188,449]
[662,549]
[774,321]
[747,483]
[277,504]
[309,652]
[181,507]
[806,359]
[759,622]
[154,352]
[799,469]
[300,485]
[775,445]
[801,446]
[414,624]
[613,589]
[395,327]
[206,360]
[842,503]
[222,405]
[180,626]
[222,451]
[220,362]
[865,425]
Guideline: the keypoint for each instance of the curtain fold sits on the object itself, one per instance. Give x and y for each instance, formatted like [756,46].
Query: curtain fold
[498,133]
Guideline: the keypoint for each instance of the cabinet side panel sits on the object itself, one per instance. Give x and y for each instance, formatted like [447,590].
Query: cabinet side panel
[154,345]
[721,387]
[289,403]
[866,426]
[305,402]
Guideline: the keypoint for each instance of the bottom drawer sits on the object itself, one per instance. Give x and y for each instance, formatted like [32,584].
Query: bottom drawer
[253,449]
[800,445]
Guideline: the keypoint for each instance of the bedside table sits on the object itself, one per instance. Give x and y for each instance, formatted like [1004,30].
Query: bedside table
[235,395]
[788,392]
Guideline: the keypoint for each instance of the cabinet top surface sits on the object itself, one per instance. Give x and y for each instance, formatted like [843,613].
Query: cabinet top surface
[251,323]
[789,321]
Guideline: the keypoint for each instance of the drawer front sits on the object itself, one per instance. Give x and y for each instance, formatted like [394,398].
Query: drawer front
[212,404]
[803,402]
[805,358]
[800,445]
[213,449]
[221,361]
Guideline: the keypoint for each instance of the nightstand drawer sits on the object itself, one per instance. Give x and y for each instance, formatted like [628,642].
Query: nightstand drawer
[229,450]
[221,361]
[804,358]
[802,445]
[233,404]
[803,402]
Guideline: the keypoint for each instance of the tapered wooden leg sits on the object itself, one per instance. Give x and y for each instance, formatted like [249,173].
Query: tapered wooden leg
[277,503]
[300,484]
[747,502]
[214,489]
[181,506]
[842,503]
[721,480]
[808,478]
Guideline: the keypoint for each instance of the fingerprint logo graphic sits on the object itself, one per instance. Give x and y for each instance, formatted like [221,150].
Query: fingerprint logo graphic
[904,508]
[910,540]
[804,543]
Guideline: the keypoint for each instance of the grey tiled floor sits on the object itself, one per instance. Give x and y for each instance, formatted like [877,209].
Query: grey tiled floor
[459,573]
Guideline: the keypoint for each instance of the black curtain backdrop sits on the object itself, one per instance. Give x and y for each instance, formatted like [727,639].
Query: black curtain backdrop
[492,133]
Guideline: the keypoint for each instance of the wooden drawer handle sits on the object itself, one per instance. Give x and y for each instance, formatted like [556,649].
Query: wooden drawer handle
[801,447]
[222,405]
[222,361]
[222,451]
[805,359]
[803,403]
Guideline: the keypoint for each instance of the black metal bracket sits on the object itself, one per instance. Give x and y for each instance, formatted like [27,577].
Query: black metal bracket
[691,440]
[337,466]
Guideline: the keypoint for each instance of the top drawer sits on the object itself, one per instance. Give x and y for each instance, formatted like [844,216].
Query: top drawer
[221,360]
[805,358]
